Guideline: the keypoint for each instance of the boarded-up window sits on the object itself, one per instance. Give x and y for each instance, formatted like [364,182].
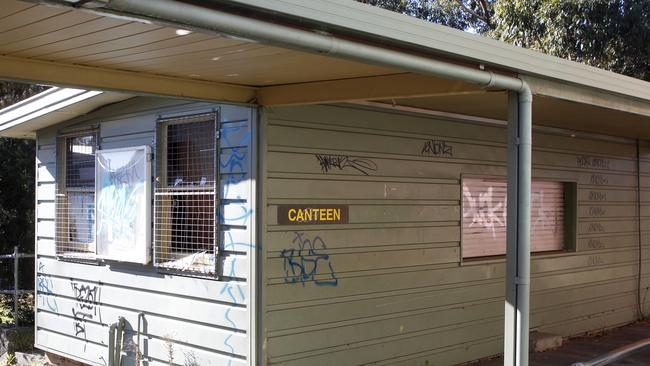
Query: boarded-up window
[185,194]
[484,216]
[75,198]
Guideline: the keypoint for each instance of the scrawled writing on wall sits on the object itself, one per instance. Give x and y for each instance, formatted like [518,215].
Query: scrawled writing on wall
[437,148]
[86,306]
[330,162]
[591,162]
[306,262]
[484,222]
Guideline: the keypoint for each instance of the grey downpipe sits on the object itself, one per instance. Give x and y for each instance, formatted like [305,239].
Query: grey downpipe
[517,304]
[183,14]
[616,354]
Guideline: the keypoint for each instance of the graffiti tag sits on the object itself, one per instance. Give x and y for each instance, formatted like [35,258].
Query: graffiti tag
[302,264]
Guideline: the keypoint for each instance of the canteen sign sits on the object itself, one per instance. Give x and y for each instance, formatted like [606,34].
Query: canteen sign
[312,214]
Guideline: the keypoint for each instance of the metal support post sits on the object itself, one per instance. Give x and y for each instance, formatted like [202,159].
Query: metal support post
[518,230]
[16,292]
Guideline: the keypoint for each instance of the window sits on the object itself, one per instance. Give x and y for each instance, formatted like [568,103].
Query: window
[484,216]
[75,197]
[123,204]
[185,194]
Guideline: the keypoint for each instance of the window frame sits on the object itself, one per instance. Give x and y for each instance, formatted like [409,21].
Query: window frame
[63,248]
[570,207]
[141,253]
[161,166]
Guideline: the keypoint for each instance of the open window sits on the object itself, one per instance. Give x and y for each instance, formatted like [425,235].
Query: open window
[75,196]
[185,225]
[103,200]
[485,213]
[123,204]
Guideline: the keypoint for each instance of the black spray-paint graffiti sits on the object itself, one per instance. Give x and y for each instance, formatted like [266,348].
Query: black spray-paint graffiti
[592,162]
[437,148]
[341,162]
[303,264]
[85,306]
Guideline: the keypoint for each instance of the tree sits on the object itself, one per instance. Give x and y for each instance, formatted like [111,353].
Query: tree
[609,34]
[460,14]
[16,187]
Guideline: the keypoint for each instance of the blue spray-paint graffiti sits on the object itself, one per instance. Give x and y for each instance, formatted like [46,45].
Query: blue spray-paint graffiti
[233,172]
[302,264]
[236,294]
[45,289]
[233,169]
[240,219]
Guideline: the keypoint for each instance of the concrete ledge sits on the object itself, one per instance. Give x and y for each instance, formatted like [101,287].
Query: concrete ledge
[542,342]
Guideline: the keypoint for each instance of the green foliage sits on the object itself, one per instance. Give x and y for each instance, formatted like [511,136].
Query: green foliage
[16,192]
[10,360]
[11,92]
[460,14]
[21,340]
[25,309]
[610,34]
[16,207]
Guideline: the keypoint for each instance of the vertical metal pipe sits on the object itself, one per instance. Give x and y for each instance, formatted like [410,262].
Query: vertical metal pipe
[639,302]
[510,320]
[111,344]
[516,322]
[16,286]
[524,171]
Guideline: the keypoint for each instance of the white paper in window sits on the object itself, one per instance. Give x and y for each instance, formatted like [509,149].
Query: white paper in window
[123,191]
[81,218]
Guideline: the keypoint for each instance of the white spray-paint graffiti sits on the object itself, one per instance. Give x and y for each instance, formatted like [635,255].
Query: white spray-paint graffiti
[486,207]
[485,210]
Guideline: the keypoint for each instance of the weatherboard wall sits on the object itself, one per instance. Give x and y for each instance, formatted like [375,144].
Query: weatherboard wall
[390,287]
[188,320]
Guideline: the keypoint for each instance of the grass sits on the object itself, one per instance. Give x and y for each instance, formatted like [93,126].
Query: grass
[21,339]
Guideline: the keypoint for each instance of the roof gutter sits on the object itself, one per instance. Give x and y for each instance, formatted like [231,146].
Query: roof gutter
[183,14]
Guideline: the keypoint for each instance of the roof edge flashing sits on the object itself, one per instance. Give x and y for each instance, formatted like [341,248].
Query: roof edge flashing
[53,106]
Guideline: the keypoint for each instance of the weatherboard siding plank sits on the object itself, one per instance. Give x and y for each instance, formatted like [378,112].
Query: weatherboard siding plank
[313,156]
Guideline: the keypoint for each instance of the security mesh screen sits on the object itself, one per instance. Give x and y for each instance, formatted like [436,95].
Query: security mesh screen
[185,195]
[75,197]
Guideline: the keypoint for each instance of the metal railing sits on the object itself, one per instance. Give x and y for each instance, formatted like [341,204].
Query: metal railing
[616,354]
[16,291]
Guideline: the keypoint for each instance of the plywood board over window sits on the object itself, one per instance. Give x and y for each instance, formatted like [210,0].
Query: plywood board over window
[485,216]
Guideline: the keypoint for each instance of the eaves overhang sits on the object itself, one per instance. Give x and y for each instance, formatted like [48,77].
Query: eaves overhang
[55,105]
[372,24]
[91,45]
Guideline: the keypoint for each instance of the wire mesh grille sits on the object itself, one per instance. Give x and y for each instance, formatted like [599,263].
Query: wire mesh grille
[75,196]
[185,195]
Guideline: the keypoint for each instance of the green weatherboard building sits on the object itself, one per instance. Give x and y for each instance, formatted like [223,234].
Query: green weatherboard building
[319,183]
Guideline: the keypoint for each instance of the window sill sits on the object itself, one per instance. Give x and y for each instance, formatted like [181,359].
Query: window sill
[495,259]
